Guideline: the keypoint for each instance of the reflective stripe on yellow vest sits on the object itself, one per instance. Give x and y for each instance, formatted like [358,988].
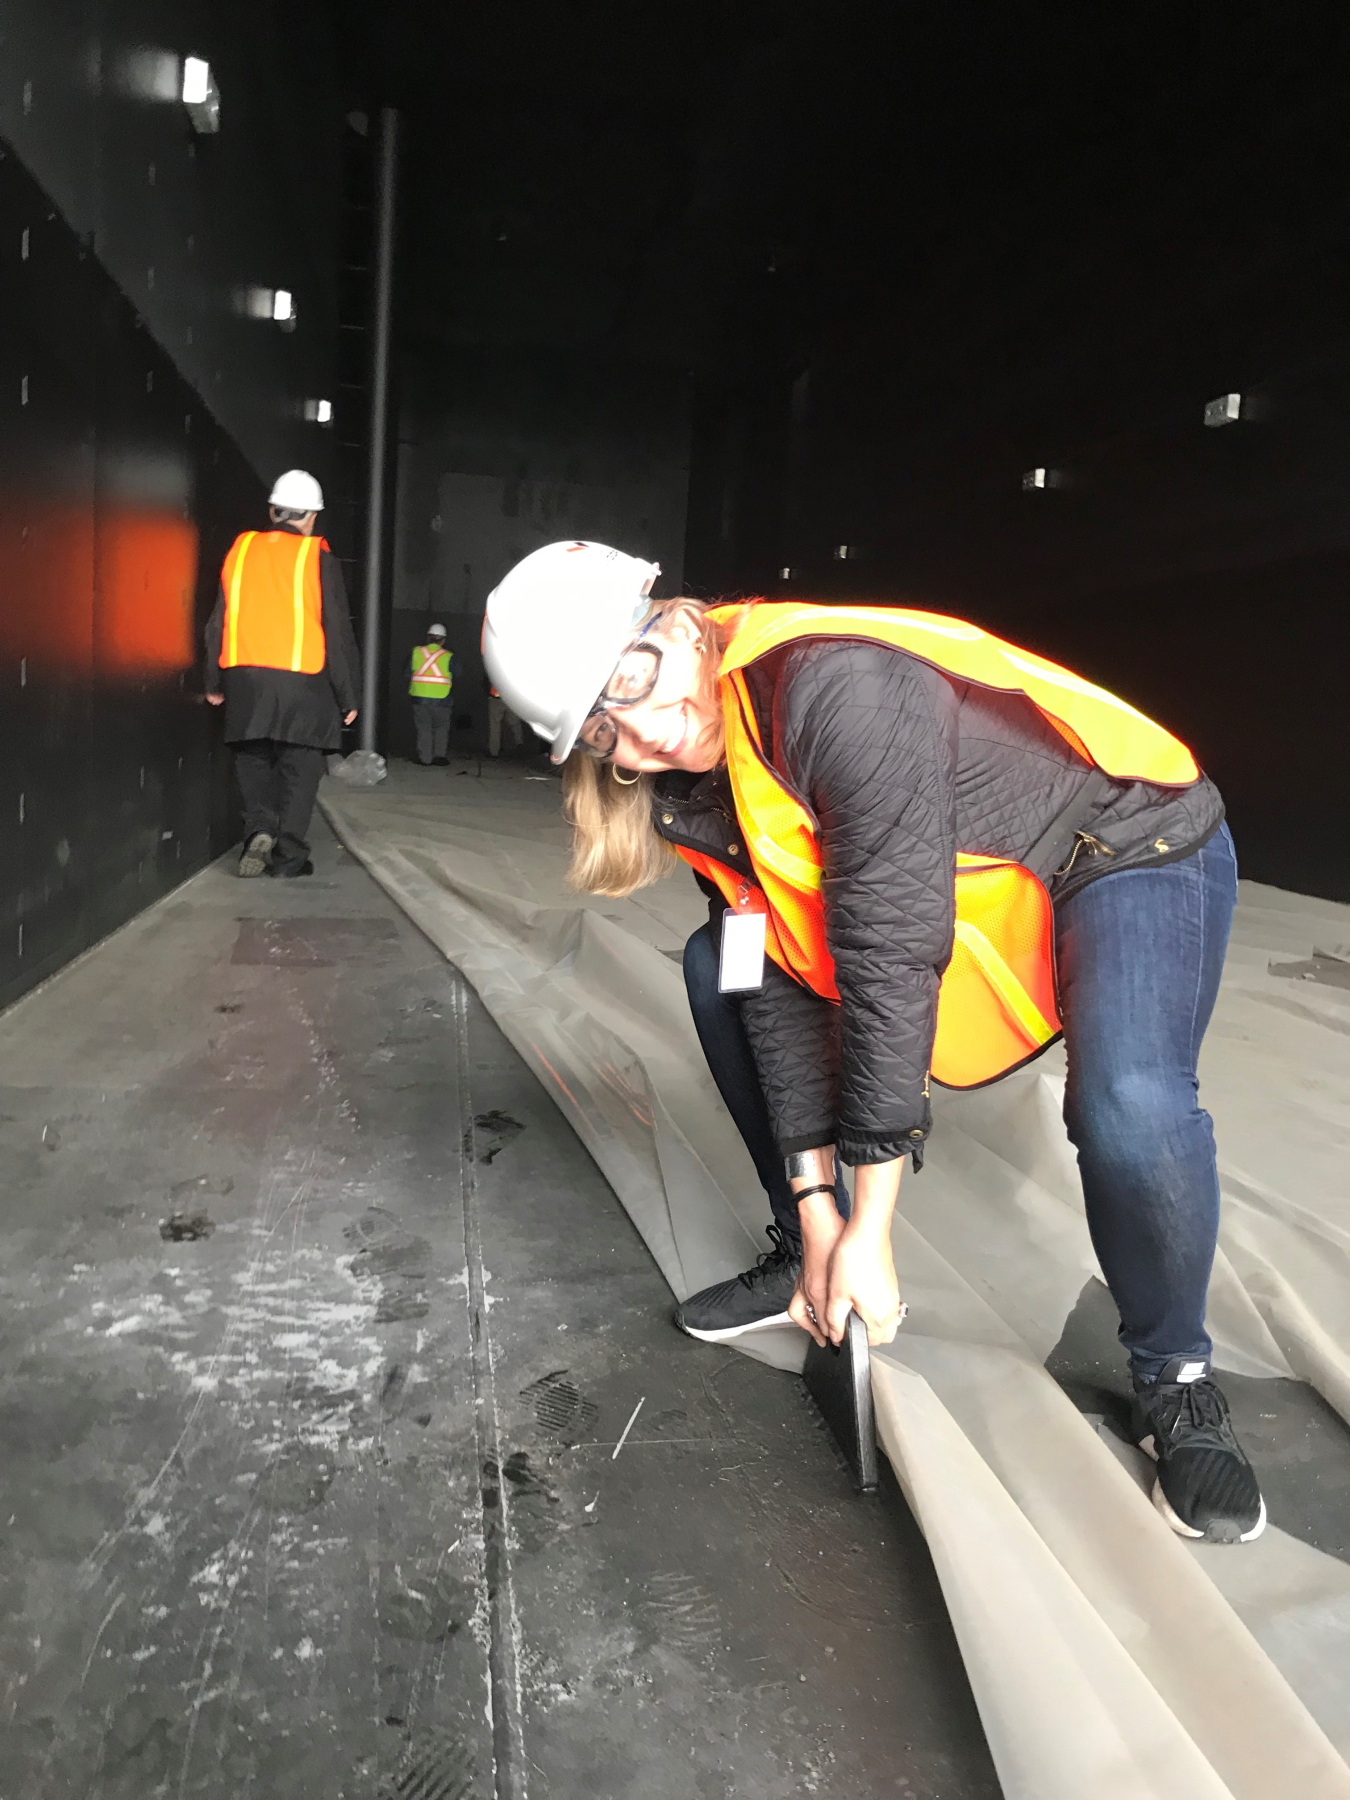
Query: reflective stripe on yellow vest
[430,672]
[996,1003]
[273,603]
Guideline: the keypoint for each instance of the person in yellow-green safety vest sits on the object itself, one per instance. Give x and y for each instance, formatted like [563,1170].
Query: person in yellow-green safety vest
[430,689]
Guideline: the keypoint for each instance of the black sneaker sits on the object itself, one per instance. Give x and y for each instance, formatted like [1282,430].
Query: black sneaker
[748,1302]
[306,868]
[256,858]
[1206,1488]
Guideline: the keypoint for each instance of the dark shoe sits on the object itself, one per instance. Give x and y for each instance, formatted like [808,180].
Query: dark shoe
[1206,1488]
[306,868]
[440,762]
[256,858]
[749,1302]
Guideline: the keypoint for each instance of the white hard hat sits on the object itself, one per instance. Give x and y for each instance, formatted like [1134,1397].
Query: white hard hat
[298,490]
[435,631]
[556,626]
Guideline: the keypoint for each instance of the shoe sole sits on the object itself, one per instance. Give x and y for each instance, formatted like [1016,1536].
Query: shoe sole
[254,862]
[733,1331]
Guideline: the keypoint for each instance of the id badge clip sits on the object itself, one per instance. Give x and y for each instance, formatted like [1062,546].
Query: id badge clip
[744,925]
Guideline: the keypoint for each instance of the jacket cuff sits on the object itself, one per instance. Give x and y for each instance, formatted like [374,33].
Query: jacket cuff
[858,1151]
[819,1139]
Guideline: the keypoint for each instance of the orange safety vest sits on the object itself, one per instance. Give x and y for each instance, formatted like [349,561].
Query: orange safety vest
[273,603]
[996,1003]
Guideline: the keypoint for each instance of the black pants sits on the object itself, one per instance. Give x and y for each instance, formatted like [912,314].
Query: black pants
[279,783]
[432,720]
[717,1020]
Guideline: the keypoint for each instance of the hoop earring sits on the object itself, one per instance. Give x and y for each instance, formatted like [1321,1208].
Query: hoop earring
[631,781]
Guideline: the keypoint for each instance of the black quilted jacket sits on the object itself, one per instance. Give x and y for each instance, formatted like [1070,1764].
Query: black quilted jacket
[901,767]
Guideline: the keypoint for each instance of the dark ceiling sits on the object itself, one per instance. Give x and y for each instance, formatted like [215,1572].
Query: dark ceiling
[703,184]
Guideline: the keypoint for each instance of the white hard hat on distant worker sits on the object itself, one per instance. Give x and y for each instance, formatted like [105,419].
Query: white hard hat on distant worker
[297,490]
[555,628]
[435,631]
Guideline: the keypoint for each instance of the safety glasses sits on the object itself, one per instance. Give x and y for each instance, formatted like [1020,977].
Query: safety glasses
[635,676]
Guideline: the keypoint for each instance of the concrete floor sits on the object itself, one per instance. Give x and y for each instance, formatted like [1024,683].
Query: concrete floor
[320,1332]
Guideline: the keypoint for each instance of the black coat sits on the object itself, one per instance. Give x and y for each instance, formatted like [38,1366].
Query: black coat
[291,708]
[901,766]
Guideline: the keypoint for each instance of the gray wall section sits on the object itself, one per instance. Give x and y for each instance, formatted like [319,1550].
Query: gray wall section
[185,224]
[500,454]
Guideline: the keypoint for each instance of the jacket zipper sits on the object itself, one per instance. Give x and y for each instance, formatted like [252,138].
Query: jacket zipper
[1095,847]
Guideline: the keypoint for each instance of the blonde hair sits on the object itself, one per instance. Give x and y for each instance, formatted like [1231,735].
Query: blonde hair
[615,847]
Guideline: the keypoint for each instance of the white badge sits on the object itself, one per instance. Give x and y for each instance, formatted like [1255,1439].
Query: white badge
[742,952]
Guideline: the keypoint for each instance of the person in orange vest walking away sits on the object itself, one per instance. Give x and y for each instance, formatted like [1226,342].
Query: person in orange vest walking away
[430,687]
[281,658]
[929,854]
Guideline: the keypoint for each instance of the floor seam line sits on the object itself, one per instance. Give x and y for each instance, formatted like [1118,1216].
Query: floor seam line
[508,1740]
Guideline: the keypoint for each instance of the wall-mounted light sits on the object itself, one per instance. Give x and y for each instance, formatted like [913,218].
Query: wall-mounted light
[785,573]
[845,553]
[319,412]
[1035,478]
[283,305]
[1226,410]
[200,95]
[196,80]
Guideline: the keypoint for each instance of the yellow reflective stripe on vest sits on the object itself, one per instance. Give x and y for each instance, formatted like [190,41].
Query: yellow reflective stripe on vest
[1074,684]
[1005,984]
[1120,739]
[307,546]
[232,609]
[794,869]
[798,871]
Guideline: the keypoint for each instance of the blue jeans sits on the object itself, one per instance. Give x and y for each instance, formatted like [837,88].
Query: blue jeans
[717,1019]
[1139,956]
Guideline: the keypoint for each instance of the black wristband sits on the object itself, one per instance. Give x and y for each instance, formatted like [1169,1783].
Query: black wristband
[823,1187]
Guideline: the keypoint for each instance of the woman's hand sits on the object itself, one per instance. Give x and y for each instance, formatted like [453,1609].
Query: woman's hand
[821,1230]
[861,1276]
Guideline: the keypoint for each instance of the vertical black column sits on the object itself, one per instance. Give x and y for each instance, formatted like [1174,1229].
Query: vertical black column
[386,175]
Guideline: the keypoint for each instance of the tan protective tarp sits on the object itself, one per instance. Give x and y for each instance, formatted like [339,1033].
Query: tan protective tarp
[1109,1658]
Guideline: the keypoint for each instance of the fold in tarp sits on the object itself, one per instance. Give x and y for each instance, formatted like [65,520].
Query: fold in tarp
[1108,1657]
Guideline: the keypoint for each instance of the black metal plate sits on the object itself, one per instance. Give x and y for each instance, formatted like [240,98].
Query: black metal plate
[839,1380]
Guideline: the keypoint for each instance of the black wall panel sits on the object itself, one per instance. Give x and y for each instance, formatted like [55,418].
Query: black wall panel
[186,223]
[1199,572]
[998,239]
[119,494]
